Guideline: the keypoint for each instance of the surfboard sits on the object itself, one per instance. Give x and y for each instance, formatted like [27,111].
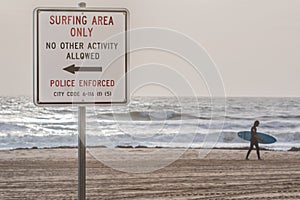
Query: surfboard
[263,138]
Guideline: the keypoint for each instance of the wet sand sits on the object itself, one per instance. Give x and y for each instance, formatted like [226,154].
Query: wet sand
[222,174]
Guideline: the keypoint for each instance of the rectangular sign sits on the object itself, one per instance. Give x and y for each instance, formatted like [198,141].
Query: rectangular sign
[80,56]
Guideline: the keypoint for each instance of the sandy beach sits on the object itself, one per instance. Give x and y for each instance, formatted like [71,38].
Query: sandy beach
[222,174]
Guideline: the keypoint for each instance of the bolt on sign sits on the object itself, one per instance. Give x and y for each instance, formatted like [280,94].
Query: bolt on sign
[80,56]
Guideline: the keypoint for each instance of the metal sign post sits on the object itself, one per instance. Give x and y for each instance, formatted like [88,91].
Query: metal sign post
[81,144]
[81,152]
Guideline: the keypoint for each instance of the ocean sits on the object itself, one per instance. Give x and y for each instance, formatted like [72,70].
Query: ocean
[152,122]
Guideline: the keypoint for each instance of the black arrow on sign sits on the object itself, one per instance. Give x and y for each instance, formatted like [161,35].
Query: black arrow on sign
[72,69]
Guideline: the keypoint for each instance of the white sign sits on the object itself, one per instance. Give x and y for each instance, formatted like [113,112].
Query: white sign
[80,56]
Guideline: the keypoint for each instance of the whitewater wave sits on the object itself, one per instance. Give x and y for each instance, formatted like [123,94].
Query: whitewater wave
[149,116]
[225,139]
[4,127]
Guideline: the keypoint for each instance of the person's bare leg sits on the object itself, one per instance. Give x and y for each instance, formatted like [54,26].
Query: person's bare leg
[257,151]
[251,147]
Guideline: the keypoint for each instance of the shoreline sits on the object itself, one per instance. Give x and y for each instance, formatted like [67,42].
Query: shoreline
[146,147]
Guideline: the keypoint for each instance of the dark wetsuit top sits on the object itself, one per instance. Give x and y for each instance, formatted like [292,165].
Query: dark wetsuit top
[253,135]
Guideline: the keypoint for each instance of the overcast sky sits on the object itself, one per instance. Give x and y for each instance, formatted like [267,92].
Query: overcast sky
[254,43]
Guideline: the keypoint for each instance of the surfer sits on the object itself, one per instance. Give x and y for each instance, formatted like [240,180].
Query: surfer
[254,140]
